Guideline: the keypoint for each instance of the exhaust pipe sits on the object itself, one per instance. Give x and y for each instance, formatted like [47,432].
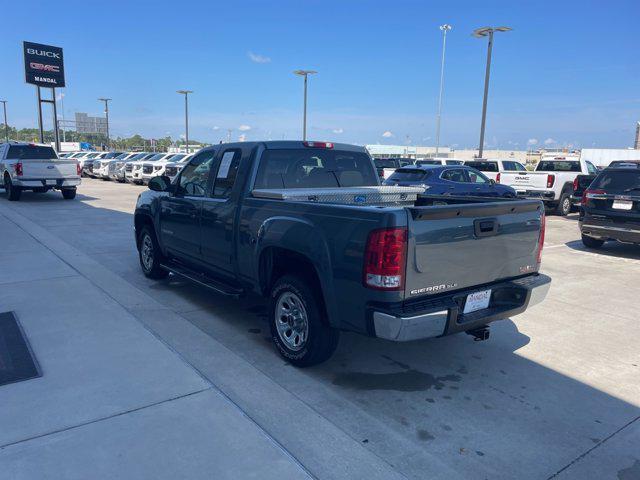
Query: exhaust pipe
[479,334]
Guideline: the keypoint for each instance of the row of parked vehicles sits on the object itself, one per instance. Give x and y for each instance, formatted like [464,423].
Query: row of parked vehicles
[552,181]
[131,167]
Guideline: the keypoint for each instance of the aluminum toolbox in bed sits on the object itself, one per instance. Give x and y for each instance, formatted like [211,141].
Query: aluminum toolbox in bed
[374,195]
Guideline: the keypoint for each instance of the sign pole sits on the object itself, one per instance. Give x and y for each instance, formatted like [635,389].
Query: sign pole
[40,127]
[56,133]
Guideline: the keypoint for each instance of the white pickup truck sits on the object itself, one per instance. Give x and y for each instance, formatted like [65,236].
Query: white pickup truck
[551,181]
[500,170]
[30,166]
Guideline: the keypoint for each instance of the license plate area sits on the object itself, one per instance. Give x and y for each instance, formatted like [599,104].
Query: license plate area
[477,301]
[622,204]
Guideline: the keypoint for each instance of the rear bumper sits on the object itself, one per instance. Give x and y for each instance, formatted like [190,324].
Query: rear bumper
[626,232]
[46,182]
[545,195]
[443,315]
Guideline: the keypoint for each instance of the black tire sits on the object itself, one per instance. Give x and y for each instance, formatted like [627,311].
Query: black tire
[564,205]
[321,339]
[13,193]
[69,193]
[150,266]
[591,242]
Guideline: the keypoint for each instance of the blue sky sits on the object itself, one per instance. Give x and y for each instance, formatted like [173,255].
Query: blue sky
[568,74]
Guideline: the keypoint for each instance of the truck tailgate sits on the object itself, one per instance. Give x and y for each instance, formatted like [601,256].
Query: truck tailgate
[49,168]
[453,247]
[521,181]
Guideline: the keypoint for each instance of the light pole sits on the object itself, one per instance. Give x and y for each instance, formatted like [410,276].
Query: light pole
[186,115]
[305,74]
[479,33]
[445,28]
[6,127]
[106,112]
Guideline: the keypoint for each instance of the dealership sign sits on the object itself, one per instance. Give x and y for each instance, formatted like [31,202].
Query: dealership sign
[43,65]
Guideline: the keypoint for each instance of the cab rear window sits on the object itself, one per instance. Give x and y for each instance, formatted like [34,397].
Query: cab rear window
[31,152]
[408,175]
[483,166]
[558,166]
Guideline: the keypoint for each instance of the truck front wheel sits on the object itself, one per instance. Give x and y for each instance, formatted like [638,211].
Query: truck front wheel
[591,242]
[296,321]
[150,254]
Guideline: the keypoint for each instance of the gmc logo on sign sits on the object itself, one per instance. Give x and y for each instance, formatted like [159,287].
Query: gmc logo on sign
[44,68]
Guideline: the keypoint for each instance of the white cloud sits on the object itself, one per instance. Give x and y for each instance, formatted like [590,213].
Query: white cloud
[216,128]
[550,141]
[387,134]
[242,138]
[244,128]
[338,130]
[532,141]
[258,58]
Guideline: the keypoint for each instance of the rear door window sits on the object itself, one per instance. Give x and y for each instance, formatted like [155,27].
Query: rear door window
[31,152]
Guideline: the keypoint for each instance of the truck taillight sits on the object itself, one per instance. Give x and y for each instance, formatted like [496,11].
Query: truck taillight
[18,167]
[498,178]
[543,227]
[551,179]
[384,259]
[575,184]
[78,168]
[589,193]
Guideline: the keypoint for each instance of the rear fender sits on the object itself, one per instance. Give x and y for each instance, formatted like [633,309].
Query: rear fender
[303,238]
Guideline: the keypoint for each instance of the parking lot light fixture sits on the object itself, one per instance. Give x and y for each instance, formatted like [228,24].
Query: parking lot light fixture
[6,127]
[445,28]
[106,113]
[305,74]
[479,33]
[186,115]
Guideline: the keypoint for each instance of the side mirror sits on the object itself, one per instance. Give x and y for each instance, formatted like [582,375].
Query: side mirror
[160,184]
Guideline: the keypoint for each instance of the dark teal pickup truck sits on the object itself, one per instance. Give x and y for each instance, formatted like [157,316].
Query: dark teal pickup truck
[307,225]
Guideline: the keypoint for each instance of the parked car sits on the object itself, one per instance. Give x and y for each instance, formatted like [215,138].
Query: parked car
[611,207]
[500,170]
[36,167]
[154,165]
[552,181]
[117,166]
[439,161]
[307,226]
[133,170]
[101,164]
[450,180]
[386,166]
[172,168]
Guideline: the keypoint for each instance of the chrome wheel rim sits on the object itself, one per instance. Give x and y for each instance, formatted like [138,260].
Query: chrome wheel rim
[292,322]
[566,205]
[146,252]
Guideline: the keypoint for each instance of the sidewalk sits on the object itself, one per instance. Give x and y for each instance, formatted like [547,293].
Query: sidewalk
[114,401]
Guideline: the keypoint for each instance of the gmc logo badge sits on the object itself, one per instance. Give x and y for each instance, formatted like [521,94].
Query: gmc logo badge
[44,68]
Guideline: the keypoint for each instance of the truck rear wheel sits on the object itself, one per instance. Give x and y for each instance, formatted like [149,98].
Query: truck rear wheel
[69,193]
[297,324]
[150,254]
[591,242]
[564,205]
[13,193]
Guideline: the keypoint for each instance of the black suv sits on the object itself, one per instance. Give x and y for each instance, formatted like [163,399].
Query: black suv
[611,206]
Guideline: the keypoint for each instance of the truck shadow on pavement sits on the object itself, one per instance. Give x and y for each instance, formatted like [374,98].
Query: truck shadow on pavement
[510,407]
[609,249]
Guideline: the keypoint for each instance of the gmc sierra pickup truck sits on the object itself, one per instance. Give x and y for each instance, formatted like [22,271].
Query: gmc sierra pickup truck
[308,226]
